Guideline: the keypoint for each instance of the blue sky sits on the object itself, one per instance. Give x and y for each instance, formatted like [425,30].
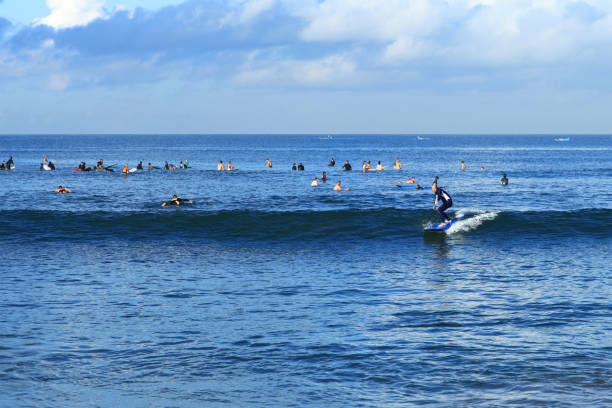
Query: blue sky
[305,66]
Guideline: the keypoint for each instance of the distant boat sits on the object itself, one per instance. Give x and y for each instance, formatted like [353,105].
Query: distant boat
[329,137]
[422,138]
[562,139]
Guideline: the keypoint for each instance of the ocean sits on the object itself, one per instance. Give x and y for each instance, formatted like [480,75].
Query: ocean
[269,292]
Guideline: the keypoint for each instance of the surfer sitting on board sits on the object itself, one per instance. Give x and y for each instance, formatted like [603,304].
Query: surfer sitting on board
[447,202]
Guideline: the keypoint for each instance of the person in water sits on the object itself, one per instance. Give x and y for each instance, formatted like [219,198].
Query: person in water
[220,166]
[125,169]
[324,177]
[171,167]
[463,166]
[186,163]
[332,162]
[346,166]
[364,166]
[397,164]
[230,166]
[300,167]
[166,166]
[315,182]
[294,167]
[379,166]
[504,180]
[178,201]
[3,165]
[139,165]
[149,166]
[51,165]
[100,164]
[63,190]
[447,202]
[181,165]
[9,162]
[409,181]
[338,187]
[268,164]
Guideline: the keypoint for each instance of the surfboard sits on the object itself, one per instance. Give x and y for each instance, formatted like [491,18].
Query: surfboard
[413,186]
[45,167]
[437,227]
[133,170]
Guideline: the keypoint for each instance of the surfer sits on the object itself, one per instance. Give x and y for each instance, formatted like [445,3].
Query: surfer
[9,162]
[139,165]
[346,166]
[315,182]
[294,167]
[268,164]
[149,166]
[3,166]
[220,166]
[397,164]
[463,167]
[409,181]
[100,164]
[300,167]
[51,165]
[45,159]
[324,177]
[125,169]
[178,201]
[338,187]
[379,166]
[447,201]
[504,180]
[63,190]
[186,163]
[364,166]
[230,166]
[332,162]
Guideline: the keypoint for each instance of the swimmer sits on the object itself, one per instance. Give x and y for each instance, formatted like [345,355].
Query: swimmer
[324,177]
[397,164]
[447,202]
[315,182]
[337,187]
[504,180]
[220,166]
[300,167]
[409,181]
[346,166]
[463,166]
[268,164]
[63,190]
[178,201]
[332,162]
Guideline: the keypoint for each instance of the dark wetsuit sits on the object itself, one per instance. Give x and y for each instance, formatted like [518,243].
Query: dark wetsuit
[332,163]
[447,202]
[139,166]
[300,167]
[346,167]
[504,181]
[51,165]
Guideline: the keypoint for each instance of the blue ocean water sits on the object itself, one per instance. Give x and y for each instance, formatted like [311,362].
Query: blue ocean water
[269,292]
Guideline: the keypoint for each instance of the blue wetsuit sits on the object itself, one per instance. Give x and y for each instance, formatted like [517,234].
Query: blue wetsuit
[447,202]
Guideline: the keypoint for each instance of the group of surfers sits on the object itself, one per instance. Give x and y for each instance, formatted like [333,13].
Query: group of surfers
[100,166]
[442,197]
[7,164]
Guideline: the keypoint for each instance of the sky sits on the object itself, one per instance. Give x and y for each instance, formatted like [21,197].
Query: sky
[305,66]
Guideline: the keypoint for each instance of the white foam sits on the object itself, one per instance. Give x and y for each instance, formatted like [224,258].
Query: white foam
[471,222]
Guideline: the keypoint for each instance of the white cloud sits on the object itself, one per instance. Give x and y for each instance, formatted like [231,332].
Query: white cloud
[70,13]
[335,69]
[58,82]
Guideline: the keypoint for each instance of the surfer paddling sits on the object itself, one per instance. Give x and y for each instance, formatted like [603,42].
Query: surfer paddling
[178,201]
[447,202]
